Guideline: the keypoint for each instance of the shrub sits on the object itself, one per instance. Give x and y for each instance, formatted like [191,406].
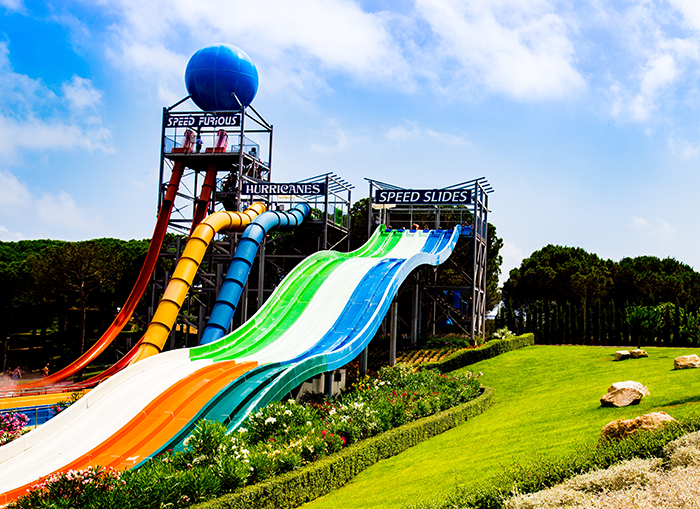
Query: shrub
[684,452]
[491,349]
[503,333]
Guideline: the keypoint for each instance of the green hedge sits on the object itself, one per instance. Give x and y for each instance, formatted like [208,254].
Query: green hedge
[495,347]
[298,487]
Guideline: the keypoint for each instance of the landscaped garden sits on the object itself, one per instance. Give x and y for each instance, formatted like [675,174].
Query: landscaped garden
[282,437]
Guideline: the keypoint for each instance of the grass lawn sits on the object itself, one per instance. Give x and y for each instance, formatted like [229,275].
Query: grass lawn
[547,402]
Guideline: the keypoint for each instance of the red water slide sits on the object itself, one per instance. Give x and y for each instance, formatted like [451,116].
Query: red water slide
[139,289]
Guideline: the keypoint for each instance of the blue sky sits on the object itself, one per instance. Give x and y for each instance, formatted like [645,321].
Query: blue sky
[583,115]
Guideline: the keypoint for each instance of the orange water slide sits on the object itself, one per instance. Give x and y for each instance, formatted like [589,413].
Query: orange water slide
[137,292]
[153,341]
[156,423]
[169,306]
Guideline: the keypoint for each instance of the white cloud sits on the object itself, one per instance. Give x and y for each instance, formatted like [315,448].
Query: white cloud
[12,5]
[658,61]
[684,148]
[690,9]
[81,95]
[286,39]
[62,211]
[659,73]
[513,47]
[338,140]
[658,229]
[7,236]
[152,61]
[34,118]
[19,206]
[412,131]
[13,193]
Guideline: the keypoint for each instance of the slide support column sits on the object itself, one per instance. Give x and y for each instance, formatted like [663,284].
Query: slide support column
[392,341]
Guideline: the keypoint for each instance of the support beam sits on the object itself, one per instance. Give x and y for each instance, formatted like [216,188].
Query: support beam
[328,383]
[364,357]
[201,323]
[261,273]
[415,314]
[392,340]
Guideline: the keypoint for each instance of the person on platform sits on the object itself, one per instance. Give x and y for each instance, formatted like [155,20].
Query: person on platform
[45,370]
[17,373]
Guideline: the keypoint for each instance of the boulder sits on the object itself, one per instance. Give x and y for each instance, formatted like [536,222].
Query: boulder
[624,394]
[621,355]
[622,428]
[686,362]
[636,354]
[629,384]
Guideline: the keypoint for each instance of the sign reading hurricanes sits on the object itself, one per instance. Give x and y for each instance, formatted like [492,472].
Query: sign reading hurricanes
[423,197]
[268,188]
[204,120]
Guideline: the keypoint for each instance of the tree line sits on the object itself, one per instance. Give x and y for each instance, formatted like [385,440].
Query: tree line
[70,290]
[567,295]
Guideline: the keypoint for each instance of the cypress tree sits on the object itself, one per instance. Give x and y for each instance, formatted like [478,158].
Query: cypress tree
[667,326]
[626,336]
[510,317]
[561,323]
[677,324]
[584,322]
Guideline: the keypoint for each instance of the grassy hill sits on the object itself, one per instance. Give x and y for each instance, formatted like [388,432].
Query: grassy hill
[547,404]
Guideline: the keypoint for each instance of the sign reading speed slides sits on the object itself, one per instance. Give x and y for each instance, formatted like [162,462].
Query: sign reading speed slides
[423,197]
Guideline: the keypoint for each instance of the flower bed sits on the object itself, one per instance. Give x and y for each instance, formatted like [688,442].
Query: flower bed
[62,405]
[12,425]
[285,436]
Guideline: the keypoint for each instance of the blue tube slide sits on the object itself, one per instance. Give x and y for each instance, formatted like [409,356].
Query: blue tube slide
[237,275]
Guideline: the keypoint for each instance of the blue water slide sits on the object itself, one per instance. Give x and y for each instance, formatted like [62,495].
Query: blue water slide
[237,275]
[351,332]
[355,327]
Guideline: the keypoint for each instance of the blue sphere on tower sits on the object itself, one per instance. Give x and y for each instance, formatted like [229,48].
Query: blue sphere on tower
[215,73]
